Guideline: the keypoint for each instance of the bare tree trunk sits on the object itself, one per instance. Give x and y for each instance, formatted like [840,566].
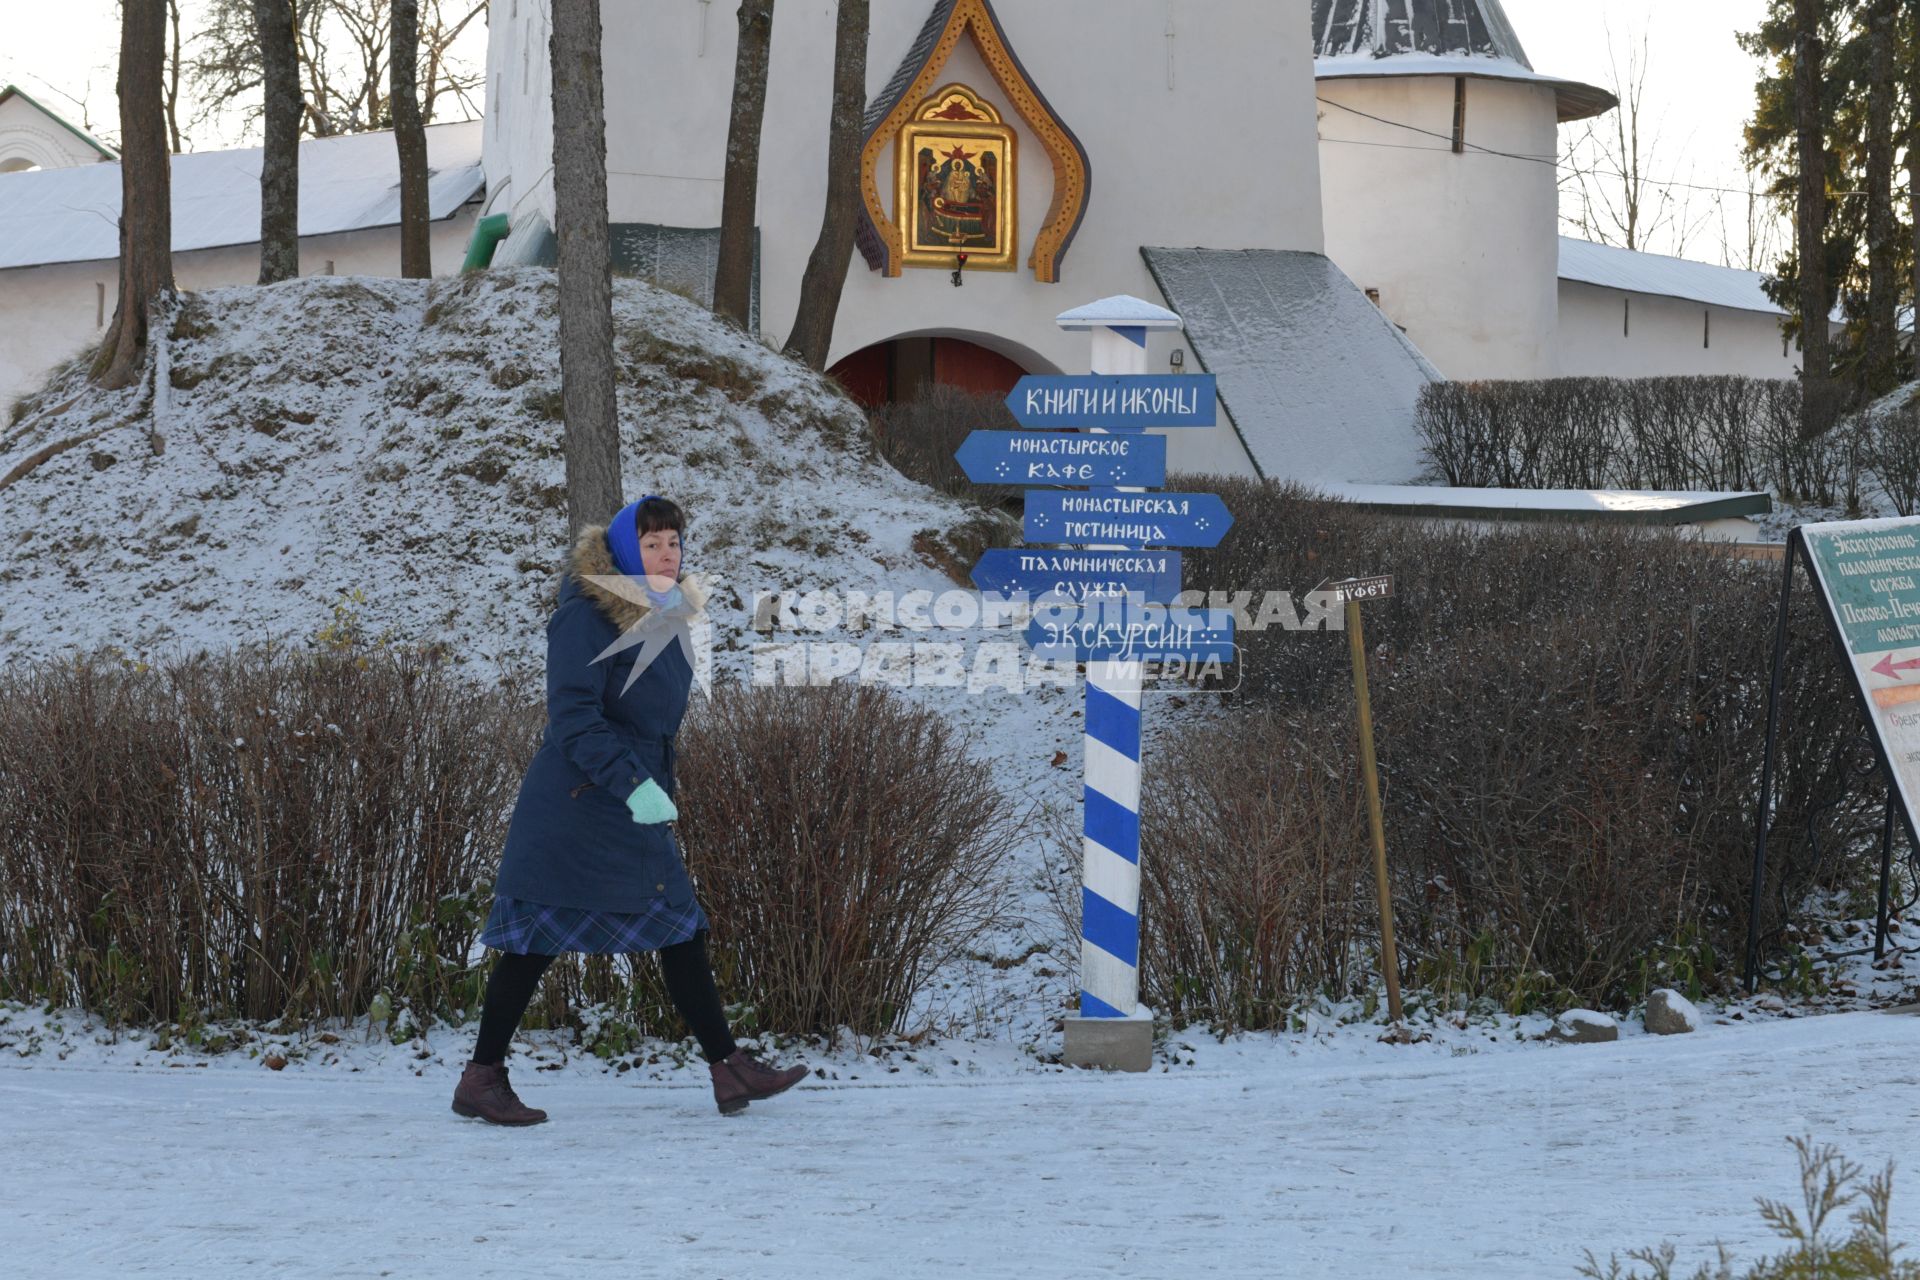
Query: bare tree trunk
[1810,225]
[812,333]
[1876,374]
[1913,178]
[739,201]
[585,265]
[410,141]
[1626,131]
[280,156]
[175,54]
[146,192]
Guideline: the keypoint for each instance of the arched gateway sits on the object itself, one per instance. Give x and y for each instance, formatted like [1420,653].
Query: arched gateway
[897,369]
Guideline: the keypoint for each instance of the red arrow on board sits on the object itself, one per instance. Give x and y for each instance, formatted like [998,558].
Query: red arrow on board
[1891,670]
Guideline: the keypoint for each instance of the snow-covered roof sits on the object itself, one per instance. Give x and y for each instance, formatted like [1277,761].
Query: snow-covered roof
[1353,38]
[1318,383]
[1627,506]
[346,184]
[1653,273]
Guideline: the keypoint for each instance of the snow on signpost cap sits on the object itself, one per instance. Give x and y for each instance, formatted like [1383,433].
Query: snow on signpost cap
[1118,311]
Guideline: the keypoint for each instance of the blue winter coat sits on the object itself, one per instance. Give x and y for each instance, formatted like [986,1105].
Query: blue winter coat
[572,841]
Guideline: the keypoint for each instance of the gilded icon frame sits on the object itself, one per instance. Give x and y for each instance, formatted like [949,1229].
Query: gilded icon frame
[952,119]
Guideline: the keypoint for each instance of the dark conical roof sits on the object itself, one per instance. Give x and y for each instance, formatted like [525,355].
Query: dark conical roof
[1435,37]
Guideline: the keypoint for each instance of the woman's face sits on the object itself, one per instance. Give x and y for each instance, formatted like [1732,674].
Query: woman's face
[660,557]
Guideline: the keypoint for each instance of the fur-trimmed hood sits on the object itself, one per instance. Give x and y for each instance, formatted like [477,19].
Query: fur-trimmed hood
[626,602]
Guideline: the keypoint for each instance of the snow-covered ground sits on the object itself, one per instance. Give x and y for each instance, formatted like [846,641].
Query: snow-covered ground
[397,438]
[1289,1156]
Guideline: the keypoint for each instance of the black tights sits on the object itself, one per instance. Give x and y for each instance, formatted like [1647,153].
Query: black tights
[684,965]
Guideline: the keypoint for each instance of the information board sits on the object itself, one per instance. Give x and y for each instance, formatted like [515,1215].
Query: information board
[1868,572]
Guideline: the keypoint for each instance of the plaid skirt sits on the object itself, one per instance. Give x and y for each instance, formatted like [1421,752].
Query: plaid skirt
[534,928]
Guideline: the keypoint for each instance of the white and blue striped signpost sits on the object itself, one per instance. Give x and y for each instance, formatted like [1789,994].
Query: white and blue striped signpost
[1102,602]
[1113,1029]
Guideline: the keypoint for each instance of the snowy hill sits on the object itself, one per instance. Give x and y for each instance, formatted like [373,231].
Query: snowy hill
[402,437]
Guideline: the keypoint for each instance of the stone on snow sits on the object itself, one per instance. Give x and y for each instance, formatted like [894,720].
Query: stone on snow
[1584,1026]
[1670,1014]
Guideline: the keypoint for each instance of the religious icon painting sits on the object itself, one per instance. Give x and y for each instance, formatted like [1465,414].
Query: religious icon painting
[955,192]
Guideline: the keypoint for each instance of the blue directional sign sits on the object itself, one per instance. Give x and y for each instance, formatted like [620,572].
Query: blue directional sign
[1063,457]
[1114,400]
[1079,575]
[1112,518]
[1127,630]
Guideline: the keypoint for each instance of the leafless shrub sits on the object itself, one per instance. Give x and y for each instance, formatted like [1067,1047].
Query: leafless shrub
[1570,722]
[1715,432]
[846,845]
[255,835]
[300,835]
[1253,888]
[919,437]
[1893,447]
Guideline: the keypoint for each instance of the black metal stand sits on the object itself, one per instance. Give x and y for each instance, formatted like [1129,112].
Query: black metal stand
[1795,544]
[1886,876]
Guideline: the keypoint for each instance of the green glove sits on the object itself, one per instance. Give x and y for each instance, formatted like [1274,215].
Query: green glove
[649,803]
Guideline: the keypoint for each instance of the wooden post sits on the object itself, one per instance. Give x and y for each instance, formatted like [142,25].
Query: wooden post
[1389,959]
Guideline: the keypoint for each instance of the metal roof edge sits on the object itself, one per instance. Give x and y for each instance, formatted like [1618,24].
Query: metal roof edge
[1730,506]
[1573,99]
[1681,297]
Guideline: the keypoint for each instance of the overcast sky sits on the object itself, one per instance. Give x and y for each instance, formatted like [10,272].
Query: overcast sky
[1699,83]
[1699,93]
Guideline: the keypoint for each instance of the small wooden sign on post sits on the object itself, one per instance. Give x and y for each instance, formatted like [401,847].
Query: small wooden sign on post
[1351,592]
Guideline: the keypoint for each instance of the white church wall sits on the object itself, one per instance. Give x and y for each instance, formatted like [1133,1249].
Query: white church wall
[31,139]
[1611,333]
[516,149]
[1463,248]
[1204,137]
[66,306]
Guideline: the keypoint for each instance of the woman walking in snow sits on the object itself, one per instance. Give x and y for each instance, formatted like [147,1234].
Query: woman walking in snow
[590,863]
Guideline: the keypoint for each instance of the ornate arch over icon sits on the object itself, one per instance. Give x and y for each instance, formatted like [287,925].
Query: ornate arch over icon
[954,189]
[887,243]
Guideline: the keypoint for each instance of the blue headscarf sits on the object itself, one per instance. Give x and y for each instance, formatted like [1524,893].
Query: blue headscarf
[623,540]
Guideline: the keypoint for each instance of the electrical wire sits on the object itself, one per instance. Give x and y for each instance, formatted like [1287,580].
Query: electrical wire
[1552,162]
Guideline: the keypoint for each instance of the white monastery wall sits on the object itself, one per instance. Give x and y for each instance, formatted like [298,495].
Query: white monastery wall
[1611,333]
[1463,249]
[71,303]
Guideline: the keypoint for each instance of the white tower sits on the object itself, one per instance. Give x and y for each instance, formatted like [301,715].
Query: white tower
[1438,143]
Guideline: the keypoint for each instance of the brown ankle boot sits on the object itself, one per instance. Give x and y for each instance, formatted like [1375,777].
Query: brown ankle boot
[740,1078]
[484,1092]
